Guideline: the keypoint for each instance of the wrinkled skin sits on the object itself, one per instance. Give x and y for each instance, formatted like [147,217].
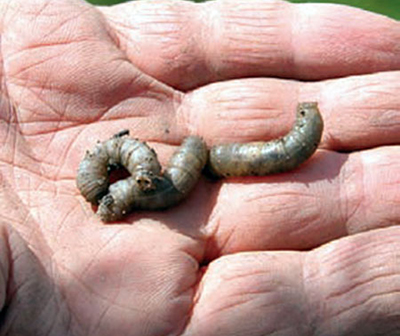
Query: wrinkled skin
[311,252]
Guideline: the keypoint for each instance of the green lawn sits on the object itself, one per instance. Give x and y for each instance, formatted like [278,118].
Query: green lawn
[388,7]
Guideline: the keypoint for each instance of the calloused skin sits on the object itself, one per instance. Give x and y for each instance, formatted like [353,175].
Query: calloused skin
[314,251]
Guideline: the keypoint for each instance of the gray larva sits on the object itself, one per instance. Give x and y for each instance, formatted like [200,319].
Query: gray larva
[146,188]
[93,172]
[276,156]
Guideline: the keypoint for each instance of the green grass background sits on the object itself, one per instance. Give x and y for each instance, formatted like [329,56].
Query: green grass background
[387,7]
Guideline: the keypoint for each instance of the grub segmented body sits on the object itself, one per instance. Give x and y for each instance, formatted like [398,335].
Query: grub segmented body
[146,188]
[160,191]
[94,170]
[275,156]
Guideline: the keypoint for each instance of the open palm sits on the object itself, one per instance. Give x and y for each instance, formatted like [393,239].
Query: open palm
[73,74]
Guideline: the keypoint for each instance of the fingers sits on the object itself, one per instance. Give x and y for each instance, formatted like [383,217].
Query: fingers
[328,197]
[359,112]
[348,287]
[67,71]
[186,44]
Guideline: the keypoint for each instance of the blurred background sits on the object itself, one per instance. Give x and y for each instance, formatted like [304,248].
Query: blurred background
[388,7]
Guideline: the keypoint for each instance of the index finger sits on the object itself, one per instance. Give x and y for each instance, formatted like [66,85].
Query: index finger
[187,45]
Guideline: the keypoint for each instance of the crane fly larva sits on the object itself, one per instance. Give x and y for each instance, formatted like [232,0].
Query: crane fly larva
[275,156]
[94,170]
[146,188]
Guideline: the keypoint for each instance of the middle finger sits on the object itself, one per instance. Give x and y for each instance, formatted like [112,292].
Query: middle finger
[359,112]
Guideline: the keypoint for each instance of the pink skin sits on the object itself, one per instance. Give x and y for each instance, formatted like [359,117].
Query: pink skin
[73,74]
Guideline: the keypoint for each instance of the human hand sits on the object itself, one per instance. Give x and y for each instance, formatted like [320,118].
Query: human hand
[74,74]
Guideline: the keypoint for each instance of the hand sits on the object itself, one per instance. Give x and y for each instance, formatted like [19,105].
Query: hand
[73,74]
